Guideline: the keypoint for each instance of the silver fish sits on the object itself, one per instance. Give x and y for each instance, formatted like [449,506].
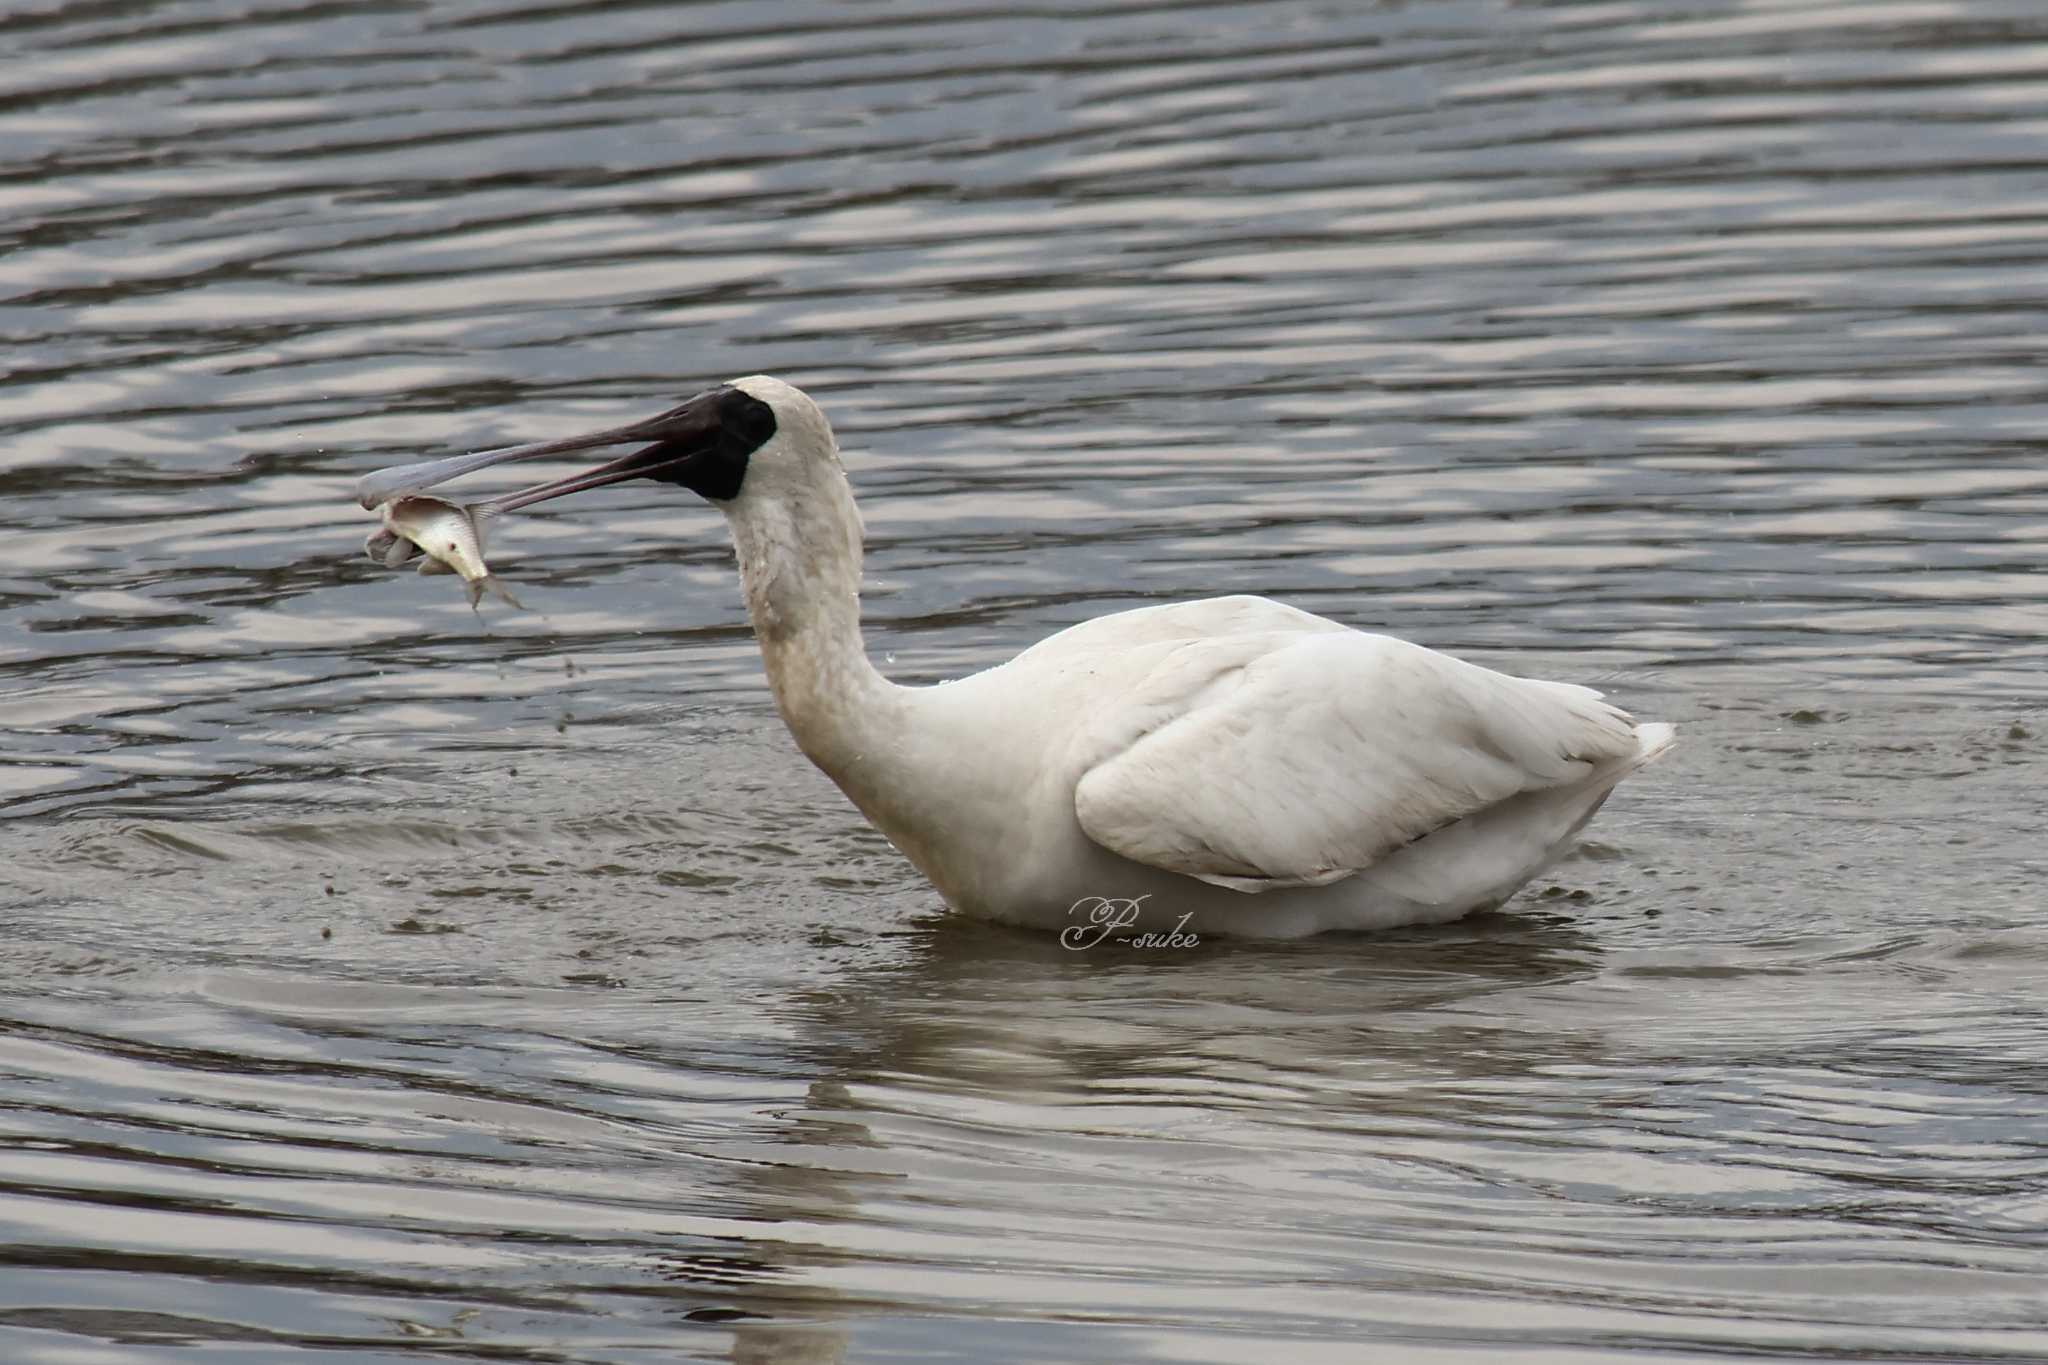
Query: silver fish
[449,533]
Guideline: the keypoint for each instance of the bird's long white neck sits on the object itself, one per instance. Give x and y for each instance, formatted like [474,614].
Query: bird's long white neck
[800,560]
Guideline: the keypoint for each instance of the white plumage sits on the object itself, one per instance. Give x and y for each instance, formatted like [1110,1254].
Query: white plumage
[1232,764]
[1270,748]
[1267,772]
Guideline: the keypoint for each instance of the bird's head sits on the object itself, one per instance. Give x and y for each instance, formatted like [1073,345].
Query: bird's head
[750,438]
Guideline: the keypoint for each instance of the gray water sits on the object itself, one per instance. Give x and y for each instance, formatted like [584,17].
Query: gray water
[381,981]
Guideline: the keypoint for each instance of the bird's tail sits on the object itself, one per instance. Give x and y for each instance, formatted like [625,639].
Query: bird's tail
[1652,739]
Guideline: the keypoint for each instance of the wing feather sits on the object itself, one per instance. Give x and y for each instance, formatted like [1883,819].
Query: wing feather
[1291,758]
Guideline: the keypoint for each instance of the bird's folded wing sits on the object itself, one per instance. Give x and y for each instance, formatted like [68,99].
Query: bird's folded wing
[1261,761]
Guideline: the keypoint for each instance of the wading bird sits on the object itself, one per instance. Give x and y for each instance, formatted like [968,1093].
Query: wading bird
[1230,766]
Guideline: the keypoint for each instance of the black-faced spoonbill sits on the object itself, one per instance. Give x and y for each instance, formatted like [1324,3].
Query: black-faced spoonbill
[1228,766]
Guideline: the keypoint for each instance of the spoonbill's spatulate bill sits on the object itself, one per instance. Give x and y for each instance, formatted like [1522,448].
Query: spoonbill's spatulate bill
[1231,764]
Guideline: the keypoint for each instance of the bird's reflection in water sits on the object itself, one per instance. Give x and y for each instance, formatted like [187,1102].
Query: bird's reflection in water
[983,1006]
[991,1077]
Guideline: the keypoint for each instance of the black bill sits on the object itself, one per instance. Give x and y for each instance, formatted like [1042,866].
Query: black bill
[702,444]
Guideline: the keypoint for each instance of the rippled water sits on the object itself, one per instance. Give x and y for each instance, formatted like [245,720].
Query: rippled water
[381,981]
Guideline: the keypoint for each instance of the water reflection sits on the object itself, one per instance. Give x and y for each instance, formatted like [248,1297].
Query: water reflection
[389,982]
[980,1008]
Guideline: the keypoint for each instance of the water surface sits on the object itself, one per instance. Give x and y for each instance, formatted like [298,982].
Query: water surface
[385,982]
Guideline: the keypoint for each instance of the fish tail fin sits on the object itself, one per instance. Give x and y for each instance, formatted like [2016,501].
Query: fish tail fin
[498,590]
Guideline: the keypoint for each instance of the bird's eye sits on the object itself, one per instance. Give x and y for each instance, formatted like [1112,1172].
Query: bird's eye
[748,418]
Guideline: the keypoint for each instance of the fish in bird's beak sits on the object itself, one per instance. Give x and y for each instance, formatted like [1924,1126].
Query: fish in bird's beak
[451,536]
[702,444]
